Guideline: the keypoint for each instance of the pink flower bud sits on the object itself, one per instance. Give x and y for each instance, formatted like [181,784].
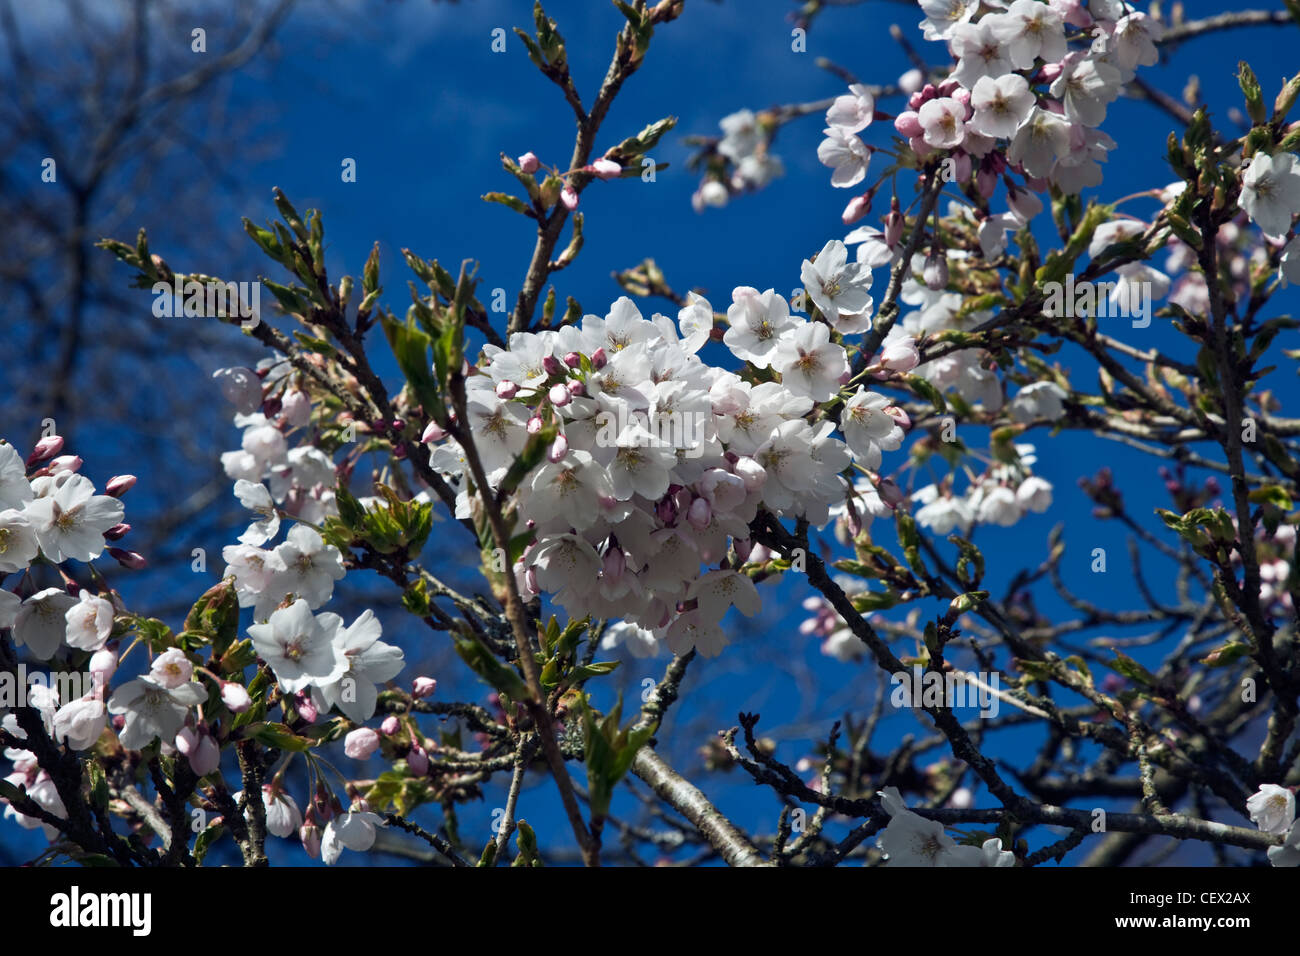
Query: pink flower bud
[576,388]
[534,425]
[899,415]
[948,87]
[507,390]
[599,359]
[128,559]
[423,687]
[552,366]
[605,169]
[235,697]
[961,166]
[119,485]
[699,515]
[201,750]
[890,493]
[858,207]
[310,836]
[295,409]
[986,181]
[102,665]
[559,395]
[117,532]
[1049,72]
[432,432]
[306,707]
[390,726]
[529,163]
[743,547]
[569,198]
[418,761]
[47,447]
[559,447]
[68,463]
[573,360]
[613,565]
[361,743]
[908,124]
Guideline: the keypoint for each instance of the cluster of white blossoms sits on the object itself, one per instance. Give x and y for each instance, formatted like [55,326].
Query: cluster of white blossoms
[662,460]
[299,480]
[50,514]
[1272,809]
[1002,495]
[745,146]
[910,839]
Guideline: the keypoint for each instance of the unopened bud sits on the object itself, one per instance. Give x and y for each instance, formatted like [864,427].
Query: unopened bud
[507,390]
[117,532]
[47,447]
[569,198]
[529,163]
[605,169]
[599,359]
[128,559]
[119,485]
[423,687]
[559,448]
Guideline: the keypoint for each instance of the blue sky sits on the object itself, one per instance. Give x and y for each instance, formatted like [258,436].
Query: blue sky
[414,94]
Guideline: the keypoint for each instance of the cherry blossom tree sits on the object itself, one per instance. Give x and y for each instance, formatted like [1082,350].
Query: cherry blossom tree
[636,482]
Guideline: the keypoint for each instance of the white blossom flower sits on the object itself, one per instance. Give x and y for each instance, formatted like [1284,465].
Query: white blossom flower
[18,545]
[868,428]
[1272,808]
[1030,30]
[256,498]
[70,523]
[980,53]
[1085,86]
[941,16]
[89,622]
[1038,400]
[41,623]
[943,122]
[996,504]
[1001,104]
[810,364]
[304,566]
[847,155]
[1288,854]
[640,642]
[719,590]
[1270,192]
[840,290]
[79,723]
[1041,138]
[853,111]
[171,668]
[911,840]
[1034,494]
[369,661]
[757,322]
[153,710]
[298,647]
[15,490]
[354,830]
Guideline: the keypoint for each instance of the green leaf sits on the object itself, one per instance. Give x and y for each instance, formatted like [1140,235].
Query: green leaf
[278,736]
[1123,664]
[484,663]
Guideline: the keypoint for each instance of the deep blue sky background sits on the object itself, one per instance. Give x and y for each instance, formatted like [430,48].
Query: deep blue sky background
[413,93]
